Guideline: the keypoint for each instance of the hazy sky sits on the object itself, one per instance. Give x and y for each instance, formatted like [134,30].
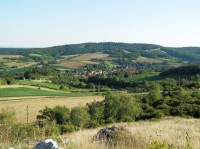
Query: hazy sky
[41,23]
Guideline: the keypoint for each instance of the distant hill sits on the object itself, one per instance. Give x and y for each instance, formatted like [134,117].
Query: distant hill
[118,50]
[99,56]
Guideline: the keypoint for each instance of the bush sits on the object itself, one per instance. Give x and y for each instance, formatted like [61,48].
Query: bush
[120,107]
[68,128]
[159,145]
[59,113]
[80,117]
[51,130]
[96,110]
[7,116]
[22,131]
[63,87]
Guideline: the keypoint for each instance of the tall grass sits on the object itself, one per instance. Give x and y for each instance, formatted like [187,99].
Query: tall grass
[174,133]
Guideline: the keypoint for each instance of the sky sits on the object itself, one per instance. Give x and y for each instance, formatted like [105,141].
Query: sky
[45,23]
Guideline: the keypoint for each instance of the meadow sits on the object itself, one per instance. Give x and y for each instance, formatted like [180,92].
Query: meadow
[10,56]
[167,133]
[23,91]
[90,56]
[146,60]
[76,61]
[181,133]
[144,76]
[41,84]
[19,64]
[72,64]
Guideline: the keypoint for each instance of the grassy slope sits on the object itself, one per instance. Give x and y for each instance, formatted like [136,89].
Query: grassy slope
[182,133]
[149,50]
[169,130]
[144,76]
[41,84]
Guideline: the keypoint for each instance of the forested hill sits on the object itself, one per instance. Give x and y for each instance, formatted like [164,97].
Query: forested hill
[118,50]
[183,70]
[79,48]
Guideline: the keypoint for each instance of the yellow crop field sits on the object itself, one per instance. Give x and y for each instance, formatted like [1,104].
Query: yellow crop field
[76,61]
[10,56]
[89,56]
[38,103]
[19,65]
[72,64]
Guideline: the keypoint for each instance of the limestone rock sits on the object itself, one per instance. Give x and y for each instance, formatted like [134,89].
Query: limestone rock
[47,144]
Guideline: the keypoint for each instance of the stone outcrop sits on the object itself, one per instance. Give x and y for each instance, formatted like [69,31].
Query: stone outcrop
[114,136]
[47,144]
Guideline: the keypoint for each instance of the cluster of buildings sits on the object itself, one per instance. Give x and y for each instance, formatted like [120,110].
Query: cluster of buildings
[110,72]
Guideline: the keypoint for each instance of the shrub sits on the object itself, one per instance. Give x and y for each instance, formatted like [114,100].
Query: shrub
[96,110]
[22,131]
[159,145]
[68,128]
[7,116]
[119,107]
[59,113]
[80,116]
[51,130]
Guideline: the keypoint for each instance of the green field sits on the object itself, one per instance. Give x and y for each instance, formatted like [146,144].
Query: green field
[144,76]
[21,92]
[18,70]
[110,64]
[39,84]
[59,66]
[5,60]
[35,55]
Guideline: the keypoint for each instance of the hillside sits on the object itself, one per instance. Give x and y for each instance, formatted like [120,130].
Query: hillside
[146,50]
[99,56]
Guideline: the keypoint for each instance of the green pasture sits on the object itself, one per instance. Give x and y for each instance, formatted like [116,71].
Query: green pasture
[144,76]
[39,84]
[5,60]
[18,70]
[110,64]
[22,92]
[59,66]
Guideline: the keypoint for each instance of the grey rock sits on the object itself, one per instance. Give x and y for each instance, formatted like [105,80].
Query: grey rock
[47,144]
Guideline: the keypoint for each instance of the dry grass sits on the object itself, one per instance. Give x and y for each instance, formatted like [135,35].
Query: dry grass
[38,103]
[89,56]
[72,64]
[76,61]
[169,130]
[10,56]
[19,65]
[69,56]
[76,64]
[28,86]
